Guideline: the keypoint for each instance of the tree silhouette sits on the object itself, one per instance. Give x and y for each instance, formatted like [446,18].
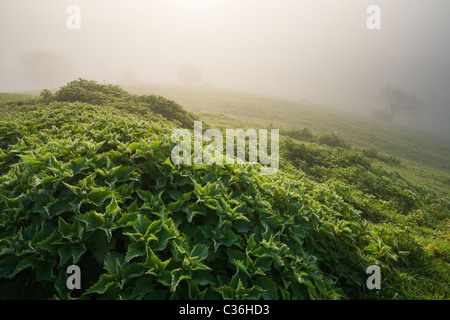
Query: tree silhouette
[399,101]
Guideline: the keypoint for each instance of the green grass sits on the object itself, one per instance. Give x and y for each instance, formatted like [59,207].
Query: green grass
[15,97]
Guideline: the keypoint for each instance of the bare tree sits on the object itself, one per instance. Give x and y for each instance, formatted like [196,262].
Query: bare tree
[399,101]
[46,68]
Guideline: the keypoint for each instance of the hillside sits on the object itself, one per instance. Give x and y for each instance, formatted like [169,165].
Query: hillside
[248,108]
[86,179]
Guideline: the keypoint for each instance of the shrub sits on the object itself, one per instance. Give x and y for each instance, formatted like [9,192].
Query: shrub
[88,91]
[92,92]
[304,134]
[333,140]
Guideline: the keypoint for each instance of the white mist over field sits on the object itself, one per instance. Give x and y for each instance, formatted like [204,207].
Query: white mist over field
[318,50]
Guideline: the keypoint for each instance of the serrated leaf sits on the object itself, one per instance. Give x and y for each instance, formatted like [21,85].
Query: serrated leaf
[200,252]
[226,292]
[141,224]
[27,262]
[270,288]
[134,270]
[76,165]
[203,277]
[113,208]
[77,252]
[264,263]
[93,220]
[135,249]
[64,253]
[63,227]
[123,173]
[105,282]
[177,277]
[113,262]
[98,196]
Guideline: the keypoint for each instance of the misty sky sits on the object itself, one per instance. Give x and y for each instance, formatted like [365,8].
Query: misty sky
[318,50]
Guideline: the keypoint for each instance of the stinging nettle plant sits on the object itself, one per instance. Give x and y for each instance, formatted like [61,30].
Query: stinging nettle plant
[93,185]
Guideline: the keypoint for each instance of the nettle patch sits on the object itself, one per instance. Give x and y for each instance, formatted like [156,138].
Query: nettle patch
[95,187]
[99,191]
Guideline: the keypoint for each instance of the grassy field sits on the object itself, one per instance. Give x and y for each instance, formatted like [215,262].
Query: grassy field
[15,97]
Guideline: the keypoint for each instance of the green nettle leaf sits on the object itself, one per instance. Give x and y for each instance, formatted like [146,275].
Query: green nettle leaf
[153,261]
[27,262]
[177,276]
[64,253]
[64,228]
[200,252]
[242,267]
[93,220]
[203,277]
[213,204]
[270,288]
[77,253]
[133,146]
[58,207]
[251,242]
[135,249]
[154,227]
[134,270]
[98,196]
[76,165]
[113,262]
[175,194]
[264,263]
[141,224]
[192,211]
[226,291]
[112,209]
[145,196]
[122,173]
[230,238]
[143,287]
[105,282]
[193,289]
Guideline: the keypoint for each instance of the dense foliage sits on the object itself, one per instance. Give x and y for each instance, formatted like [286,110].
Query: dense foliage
[91,92]
[93,185]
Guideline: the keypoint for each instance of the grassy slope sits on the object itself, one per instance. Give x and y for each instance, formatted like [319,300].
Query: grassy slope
[16,97]
[426,158]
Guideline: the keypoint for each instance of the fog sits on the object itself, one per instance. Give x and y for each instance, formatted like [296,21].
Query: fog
[317,50]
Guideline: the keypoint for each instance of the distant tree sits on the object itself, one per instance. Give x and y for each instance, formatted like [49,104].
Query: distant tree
[190,74]
[399,101]
[46,68]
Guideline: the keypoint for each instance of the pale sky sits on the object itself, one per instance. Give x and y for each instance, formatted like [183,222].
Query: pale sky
[318,50]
